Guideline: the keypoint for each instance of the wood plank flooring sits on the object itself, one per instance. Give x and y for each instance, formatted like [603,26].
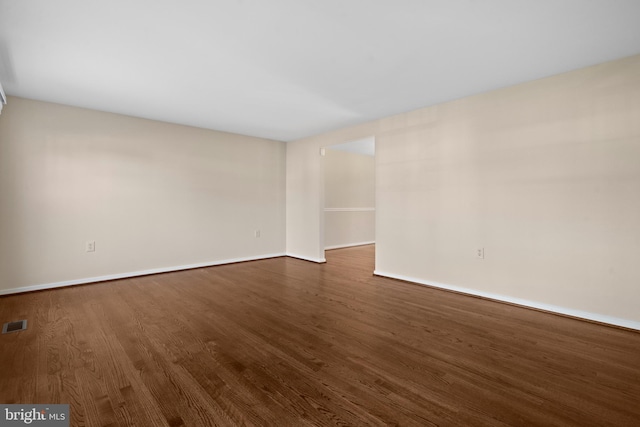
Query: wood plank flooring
[285,342]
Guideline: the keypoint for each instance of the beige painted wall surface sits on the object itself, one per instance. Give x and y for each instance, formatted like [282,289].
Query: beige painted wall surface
[544,175]
[349,184]
[151,194]
[349,180]
[343,229]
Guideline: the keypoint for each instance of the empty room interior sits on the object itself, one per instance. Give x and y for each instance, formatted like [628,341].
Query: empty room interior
[296,213]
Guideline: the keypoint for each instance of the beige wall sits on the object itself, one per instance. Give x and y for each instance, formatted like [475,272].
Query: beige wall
[152,195]
[544,175]
[349,179]
[349,194]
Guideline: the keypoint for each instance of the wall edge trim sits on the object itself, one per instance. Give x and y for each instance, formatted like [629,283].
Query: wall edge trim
[306,258]
[118,276]
[349,245]
[570,312]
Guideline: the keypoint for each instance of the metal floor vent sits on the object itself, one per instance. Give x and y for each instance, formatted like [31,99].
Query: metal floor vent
[20,325]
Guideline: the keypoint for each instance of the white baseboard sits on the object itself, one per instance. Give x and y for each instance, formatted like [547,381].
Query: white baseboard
[348,245]
[133,274]
[631,324]
[306,258]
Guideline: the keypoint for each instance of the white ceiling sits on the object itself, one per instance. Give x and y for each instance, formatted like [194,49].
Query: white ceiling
[286,69]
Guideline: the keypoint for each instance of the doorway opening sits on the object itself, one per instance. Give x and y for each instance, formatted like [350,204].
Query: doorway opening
[348,219]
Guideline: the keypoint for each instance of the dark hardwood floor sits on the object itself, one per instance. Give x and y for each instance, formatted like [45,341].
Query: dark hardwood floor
[285,342]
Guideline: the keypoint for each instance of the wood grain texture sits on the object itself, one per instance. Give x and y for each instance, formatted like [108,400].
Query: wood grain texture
[286,342]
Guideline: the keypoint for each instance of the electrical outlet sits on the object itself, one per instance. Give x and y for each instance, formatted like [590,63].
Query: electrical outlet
[91,246]
[480,253]
[256,233]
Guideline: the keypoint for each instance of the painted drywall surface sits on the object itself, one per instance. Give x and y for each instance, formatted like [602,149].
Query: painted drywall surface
[543,175]
[349,228]
[151,194]
[349,194]
[349,180]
